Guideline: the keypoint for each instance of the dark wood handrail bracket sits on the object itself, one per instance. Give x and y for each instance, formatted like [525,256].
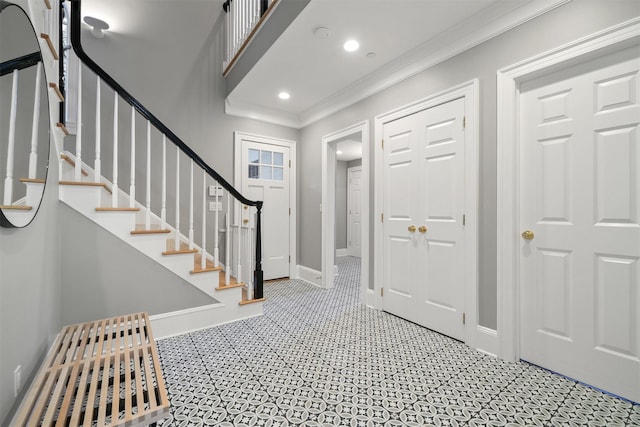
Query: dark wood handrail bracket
[76,43]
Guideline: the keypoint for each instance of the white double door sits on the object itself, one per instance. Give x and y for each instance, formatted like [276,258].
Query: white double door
[265,176]
[579,273]
[423,228]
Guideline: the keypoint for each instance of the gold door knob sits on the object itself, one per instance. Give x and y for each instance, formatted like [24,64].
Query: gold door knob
[245,221]
[422,229]
[412,228]
[527,235]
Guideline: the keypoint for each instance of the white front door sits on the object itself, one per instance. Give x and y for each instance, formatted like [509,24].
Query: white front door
[265,176]
[354,221]
[423,200]
[580,199]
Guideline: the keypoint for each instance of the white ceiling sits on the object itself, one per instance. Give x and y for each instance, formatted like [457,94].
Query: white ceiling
[406,36]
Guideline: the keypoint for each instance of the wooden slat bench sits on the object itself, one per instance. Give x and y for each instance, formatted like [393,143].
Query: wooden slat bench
[102,373]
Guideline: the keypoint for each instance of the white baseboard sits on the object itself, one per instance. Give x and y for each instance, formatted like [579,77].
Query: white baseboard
[371,298]
[487,340]
[342,252]
[180,322]
[309,275]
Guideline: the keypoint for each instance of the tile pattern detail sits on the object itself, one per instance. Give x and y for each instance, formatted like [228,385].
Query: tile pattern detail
[320,358]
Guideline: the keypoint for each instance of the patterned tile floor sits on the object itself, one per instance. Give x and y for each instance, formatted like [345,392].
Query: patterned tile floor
[319,358]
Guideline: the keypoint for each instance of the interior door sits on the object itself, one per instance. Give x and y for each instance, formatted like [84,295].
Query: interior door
[265,176]
[423,224]
[579,207]
[354,222]
[441,209]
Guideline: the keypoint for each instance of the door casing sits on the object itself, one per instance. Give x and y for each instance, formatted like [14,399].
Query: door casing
[470,91]
[509,80]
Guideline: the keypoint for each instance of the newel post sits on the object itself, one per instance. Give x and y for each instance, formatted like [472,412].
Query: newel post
[257,273]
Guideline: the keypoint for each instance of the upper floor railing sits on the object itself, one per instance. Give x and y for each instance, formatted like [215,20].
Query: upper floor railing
[242,21]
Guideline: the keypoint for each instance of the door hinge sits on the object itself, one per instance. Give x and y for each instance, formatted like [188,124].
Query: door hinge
[464,122]
[289,211]
[381,292]
[464,220]
[289,163]
[464,318]
[289,258]
[382,143]
[382,217]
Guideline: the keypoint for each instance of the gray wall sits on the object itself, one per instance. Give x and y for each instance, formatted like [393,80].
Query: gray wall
[342,188]
[105,277]
[562,25]
[30,292]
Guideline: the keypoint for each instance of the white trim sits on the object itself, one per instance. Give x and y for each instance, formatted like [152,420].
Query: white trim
[509,80]
[349,249]
[470,92]
[489,23]
[342,252]
[309,275]
[487,340]
[180,322]
[237,181]
[371,298]
[328,203]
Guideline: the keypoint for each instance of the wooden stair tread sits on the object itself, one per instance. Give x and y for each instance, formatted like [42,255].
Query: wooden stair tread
[252,301]
[86,184]
[155,229]
[16,207]
[180,251]
[205,270]
[223,287]
[117,209]
[71,161]
[64,130]
[32,180]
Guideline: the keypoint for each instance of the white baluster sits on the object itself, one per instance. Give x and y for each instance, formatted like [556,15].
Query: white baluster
[191,206]
[35,125]
[203,259]
[163,209]
[98,163]
[78,167]
[147,217]
[227,239]
[132,186]
[216,237]
[114,194]
[8,180]
[248,264]
[177,239]
[239,227]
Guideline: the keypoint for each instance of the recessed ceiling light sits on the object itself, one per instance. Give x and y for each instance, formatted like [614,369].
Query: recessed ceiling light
[351,45]
[338,152]
[284,95]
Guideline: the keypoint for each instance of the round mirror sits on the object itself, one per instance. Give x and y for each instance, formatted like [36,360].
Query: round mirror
[24,119]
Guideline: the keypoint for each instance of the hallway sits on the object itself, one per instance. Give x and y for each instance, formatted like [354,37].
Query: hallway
[319,358]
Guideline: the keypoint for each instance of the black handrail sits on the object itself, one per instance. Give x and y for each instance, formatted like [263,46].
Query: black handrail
[76,44]
[20,63]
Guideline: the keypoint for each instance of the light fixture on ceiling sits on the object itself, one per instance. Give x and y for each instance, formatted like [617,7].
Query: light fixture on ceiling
[284,95]
[351,45]
[371,55]
[322,33]
[97,26]
[338,152]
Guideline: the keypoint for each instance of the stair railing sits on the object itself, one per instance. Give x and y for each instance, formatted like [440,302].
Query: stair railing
[242,20]
[242,245]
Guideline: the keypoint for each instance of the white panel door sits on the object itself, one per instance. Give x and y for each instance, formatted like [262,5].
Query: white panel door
[580,197]
[441,207]
[265,176]
[401,213]
[354,221]
[423,223]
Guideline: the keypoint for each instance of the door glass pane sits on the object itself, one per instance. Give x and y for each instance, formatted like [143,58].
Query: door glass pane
[265,172]
[277,159]
[253,171]
[266,157]
[254,156]
[278,174]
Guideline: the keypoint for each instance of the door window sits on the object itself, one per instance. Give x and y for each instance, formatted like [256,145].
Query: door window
[264,164]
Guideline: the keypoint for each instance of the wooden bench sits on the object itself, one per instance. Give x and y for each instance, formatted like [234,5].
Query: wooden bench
[104,373]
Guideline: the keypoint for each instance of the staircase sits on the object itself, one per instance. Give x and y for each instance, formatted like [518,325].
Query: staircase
[229,269]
